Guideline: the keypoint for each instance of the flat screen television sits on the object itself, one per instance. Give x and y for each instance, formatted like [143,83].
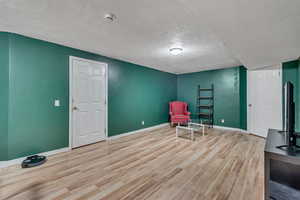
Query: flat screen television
[289,115]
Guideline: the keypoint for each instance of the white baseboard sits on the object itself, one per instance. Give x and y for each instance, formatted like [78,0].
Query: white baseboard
[18,161]
[138,131]
[231,129]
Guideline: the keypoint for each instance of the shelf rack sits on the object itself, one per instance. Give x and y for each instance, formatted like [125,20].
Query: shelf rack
[205,105]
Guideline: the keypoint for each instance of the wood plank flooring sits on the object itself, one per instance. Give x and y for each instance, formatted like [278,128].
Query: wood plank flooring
[151,165]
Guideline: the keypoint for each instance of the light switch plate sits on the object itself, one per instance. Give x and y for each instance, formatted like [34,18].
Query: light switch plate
[56,103]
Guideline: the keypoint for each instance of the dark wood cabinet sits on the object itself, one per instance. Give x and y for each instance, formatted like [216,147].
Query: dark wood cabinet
[282,169]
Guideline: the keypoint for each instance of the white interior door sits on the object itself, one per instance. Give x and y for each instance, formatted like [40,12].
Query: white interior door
[264,100]
[88,104]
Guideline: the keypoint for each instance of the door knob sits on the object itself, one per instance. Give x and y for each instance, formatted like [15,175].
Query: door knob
[250,105]
[75,108]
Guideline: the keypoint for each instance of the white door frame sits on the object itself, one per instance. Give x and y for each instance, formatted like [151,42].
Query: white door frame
[248,102]
[71,59]
[249,128]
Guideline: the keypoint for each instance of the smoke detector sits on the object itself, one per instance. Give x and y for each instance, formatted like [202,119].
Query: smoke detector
[110,17]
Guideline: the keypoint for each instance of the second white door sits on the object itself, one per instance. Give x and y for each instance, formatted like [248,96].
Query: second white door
[88,108]
[264,100]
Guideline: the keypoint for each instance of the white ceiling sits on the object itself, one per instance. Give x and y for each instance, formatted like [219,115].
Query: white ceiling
[213,33]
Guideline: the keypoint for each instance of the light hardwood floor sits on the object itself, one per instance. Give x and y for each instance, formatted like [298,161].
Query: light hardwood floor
[150,165]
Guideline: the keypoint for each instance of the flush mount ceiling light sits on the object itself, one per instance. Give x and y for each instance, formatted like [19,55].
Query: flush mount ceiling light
[110,17]
[176,51]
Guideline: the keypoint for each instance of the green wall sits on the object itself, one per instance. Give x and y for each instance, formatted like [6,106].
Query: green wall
[39,73]
[243,97]
[230,94]
[4,77]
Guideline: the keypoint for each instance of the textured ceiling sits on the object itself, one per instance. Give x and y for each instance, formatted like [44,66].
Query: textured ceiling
[214,34]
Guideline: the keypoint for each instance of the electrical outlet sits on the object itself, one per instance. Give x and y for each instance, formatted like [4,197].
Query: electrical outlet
[143,123]
[222,121]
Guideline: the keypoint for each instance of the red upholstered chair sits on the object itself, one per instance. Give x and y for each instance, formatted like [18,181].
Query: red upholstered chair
[179,113]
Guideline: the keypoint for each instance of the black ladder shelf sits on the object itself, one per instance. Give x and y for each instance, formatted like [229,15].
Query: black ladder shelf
[205,105]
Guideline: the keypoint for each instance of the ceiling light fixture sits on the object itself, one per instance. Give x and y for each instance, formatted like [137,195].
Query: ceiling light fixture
[176,51]
[110,17]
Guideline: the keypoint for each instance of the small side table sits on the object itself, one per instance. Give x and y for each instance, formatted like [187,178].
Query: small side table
[191,128]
